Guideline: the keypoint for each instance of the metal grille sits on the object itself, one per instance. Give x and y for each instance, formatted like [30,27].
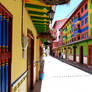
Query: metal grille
[4,48]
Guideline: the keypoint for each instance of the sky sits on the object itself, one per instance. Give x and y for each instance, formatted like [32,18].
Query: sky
[63,11]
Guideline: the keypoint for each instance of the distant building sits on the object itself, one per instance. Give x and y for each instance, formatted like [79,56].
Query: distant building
[57,33]
[77,35]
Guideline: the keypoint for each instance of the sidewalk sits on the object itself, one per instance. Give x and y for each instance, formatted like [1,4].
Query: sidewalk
[62,77]
[80,66]
[37,87]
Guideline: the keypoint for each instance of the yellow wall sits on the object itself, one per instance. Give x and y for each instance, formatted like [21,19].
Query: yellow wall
[19,64]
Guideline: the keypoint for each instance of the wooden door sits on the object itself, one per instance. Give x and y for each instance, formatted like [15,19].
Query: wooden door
[74,54]
[81,54]
[32,63]
[90,54]
[29,65]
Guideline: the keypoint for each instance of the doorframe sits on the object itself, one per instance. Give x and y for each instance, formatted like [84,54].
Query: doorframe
[88,54]
[30,35]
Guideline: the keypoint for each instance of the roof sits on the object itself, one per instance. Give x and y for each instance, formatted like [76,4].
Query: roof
[63,21]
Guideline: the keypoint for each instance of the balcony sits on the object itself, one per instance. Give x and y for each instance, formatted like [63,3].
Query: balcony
[77,31]
[77,20]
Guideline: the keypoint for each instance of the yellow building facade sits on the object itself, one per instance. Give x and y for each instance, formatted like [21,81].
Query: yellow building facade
[19,66]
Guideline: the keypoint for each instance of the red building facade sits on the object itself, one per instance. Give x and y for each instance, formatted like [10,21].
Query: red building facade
[79,22]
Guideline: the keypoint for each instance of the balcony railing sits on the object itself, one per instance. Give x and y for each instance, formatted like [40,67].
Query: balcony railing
[77,20]
[77,31]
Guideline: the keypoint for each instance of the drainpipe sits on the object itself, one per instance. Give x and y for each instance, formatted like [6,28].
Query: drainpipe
[22,24]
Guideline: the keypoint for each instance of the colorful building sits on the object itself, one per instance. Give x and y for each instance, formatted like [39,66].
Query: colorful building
[77,37]
[57,34]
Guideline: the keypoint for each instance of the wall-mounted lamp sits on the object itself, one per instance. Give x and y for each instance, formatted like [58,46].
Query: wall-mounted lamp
[51,14]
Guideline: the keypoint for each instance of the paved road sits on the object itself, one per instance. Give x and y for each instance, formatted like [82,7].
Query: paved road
[60,77]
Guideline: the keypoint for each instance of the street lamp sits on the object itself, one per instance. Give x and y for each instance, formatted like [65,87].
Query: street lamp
[51,14]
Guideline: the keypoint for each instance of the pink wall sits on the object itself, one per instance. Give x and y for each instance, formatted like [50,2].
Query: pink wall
[57,25]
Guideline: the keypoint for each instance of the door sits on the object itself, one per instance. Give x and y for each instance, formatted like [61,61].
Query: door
[65,53]
[29,64]
[74,54]
[81,54]
[30,61]
[90,54]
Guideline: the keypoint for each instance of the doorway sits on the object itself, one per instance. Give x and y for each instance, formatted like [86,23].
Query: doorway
[65,49]
[74,54]
[30,61]
[81,54]
[90,54]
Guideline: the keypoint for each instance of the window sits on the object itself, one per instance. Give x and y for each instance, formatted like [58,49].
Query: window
[59,23]
[79,15]
[72,30]
[72,39]
[78,26]
[86,20]
[86,35]
[74,27]
[81,10]
[70,50]
[85,6]
[75,39]
[82,23]
[82,36]
[78,37]
[59,29]
[72,19]
[59,36]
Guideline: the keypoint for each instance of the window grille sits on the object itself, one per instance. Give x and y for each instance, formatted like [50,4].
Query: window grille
[5,49]
[85,6]
[86,35]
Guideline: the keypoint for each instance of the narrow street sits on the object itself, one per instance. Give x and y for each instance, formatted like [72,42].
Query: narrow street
[61,77]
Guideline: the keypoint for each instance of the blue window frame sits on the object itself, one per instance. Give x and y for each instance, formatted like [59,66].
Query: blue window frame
[82,23]
[86,35]
[72,19]
[85,6]
[81,10]
[86,20]
[72,30]
[82,36]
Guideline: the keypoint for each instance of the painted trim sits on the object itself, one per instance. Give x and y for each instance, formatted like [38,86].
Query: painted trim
[15,88]
[85,15]
[81,18]
[18,79]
